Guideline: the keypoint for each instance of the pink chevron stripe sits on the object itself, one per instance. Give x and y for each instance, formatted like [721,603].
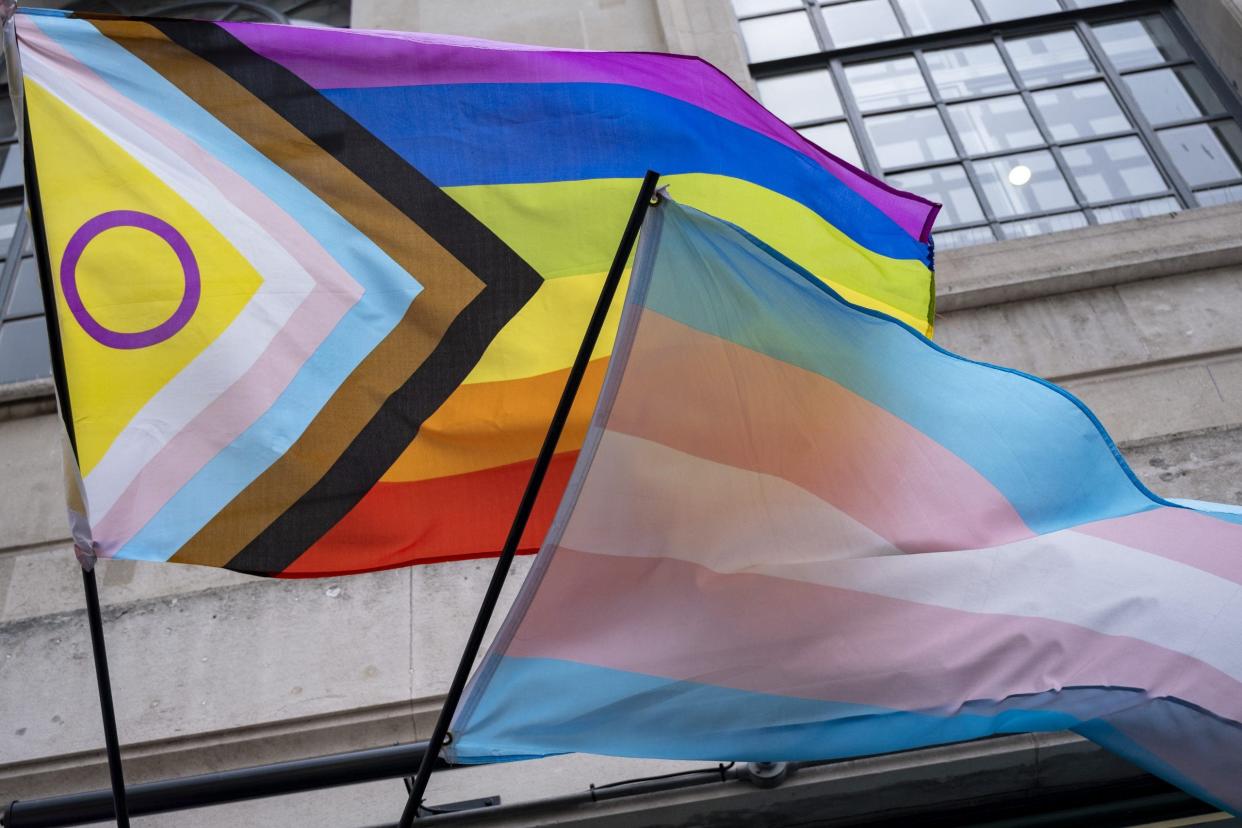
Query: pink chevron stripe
[254,392]
[742,408]
[371,59]
[686,622]
[1182,535]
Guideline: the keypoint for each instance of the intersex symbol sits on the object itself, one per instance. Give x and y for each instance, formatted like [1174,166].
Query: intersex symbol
[143,221]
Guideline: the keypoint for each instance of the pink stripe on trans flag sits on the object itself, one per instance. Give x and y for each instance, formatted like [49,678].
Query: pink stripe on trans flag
[1185,535]
[685,622]
[376,59]
[803,427]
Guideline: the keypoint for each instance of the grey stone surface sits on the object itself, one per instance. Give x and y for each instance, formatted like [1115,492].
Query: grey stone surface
[577,24]
[32,504]
[1091,257]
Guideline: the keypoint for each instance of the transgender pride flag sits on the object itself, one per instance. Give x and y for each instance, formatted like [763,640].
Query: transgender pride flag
[799,530]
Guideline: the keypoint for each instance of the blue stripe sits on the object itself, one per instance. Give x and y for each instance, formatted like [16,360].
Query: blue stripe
[389,289]
[532,707]
[512,133]
[568,707]
[1041,447]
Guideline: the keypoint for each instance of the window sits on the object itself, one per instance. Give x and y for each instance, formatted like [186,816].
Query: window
[1020,116]
[24,353]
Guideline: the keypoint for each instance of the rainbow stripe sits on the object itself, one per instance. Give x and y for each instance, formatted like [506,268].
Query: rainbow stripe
[799,530]
[399,239]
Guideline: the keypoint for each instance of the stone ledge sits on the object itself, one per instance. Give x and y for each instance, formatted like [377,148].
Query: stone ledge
[1092,257]
[280,741]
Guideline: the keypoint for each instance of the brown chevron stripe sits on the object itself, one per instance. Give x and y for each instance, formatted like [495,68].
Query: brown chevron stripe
[449,288]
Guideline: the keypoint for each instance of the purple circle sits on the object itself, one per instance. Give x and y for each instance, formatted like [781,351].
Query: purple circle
[143,221]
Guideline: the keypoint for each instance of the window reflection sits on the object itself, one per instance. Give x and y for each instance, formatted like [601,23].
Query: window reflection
[1205,153]
[1050,58]
[1012,9]
[1040,226]
[1026,183]
[1111,170]
[968,70]
[947,185]
[1169,95]
[907,138]
[882,84]
[923,16]
[805,96]
[994,124]
[1080,111]
[778,36]
[1137,209]
[864,21]
[1132,44]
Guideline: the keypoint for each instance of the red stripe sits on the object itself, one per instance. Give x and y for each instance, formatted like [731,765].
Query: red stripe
[431,521]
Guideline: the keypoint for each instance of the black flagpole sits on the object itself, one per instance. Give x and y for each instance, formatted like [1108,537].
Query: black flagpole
[527,504]
[89,585]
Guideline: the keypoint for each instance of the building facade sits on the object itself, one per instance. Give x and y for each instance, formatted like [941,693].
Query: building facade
[1090,159]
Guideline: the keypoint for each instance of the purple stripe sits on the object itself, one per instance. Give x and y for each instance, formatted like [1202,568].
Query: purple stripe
[365,59]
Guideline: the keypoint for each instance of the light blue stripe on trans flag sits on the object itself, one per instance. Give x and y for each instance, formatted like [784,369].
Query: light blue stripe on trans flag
[1041,448]
[532,707]
[389,289]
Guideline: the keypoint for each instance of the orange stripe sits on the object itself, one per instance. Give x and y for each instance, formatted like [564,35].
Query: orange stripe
[491,424]
[429,521]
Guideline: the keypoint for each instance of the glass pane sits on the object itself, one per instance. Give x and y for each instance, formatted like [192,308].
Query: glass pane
[1039,226]
[1026,183]
[8,126]
[1013,9]
[925,16]
[1146,41]
[26,298]
[1050,58]
[1205,153]
[867,21]
[1108,170]
[1138,209]
[806,96]
[1220,195]
[745,8]
[24,353]
[782,35]
[907,138]
[885,83]
[948,186]
[835,138]
[994,124]
[1080,111]
[8,223]
[950,239]
[1167,95]
[969,70]
[11,171]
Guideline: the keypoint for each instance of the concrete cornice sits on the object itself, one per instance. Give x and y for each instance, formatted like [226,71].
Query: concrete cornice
[1092,257]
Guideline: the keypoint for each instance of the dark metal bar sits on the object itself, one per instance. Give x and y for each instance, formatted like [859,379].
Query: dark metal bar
[527,504]
[120,808]
[207,789]
[111,742]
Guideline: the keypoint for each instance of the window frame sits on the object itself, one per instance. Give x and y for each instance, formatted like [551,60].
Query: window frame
[1078,20]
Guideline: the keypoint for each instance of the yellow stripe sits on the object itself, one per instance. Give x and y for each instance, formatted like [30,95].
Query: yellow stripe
[569,228]
[544,336]
[568,231]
